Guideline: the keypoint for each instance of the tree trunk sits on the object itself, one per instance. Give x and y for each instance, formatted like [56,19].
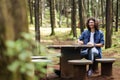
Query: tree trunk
[88,8]
[118,8]
[60,13]
[108,23]
[102,13]
[37,23]
[30,2]
[81,15]
[116,27]
[67,13]
[73,18]
[92,8]
[40,11]
[13,21]
[52,16]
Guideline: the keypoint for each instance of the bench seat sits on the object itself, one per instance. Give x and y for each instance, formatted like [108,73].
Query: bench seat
[79,67]
[106,66]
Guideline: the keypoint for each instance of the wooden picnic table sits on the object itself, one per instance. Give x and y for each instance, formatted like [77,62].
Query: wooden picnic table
[69,52]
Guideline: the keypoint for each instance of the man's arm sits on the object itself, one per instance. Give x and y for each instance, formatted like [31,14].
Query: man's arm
[81,38]
[101,44]
[98,45]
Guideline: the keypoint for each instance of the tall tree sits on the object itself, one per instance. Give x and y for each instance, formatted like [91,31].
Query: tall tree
[37,22]
[52,16]
[60,12]
[88,8]
[92,8]
[102,13]
[41,11]
[13,21]
[30,4]
[81,15]
[109,19]
[119,8]
[116,26]
[73,18]
[67,11]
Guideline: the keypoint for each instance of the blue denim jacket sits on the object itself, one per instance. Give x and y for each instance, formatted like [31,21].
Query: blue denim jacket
[98,38]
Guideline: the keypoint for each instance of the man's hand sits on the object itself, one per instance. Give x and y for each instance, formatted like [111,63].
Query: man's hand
[80,42]
[89,43]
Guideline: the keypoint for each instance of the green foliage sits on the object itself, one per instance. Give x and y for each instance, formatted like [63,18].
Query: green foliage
[19,53]
[116,39]
[40,70]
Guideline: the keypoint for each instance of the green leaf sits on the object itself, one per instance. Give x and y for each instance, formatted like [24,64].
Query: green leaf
[22,69]
[30,73]
[24,55]
[14,66]
[29,66]
[10,44]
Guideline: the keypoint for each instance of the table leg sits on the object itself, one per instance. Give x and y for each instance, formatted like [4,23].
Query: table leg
[68,54]
[80,72]
[106,69]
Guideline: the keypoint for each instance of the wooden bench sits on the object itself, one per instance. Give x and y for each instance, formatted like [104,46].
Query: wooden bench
[38,62]
[106,66]
[79,67]
[38,57]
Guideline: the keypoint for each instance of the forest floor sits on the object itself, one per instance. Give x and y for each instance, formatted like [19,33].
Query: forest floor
[116,71]
[63,37]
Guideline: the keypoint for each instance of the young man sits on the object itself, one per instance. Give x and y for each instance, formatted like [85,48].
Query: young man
[92,36]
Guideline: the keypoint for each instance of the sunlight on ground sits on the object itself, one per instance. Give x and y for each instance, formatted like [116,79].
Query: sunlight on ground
[47,31]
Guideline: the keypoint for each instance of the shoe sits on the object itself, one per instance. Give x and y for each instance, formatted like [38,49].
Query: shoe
[90,73]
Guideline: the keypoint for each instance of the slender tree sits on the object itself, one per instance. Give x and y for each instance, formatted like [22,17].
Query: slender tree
[92,8]
[73,18]
[30,2]
[88,8]
[67,12]
[118,8]
[41,11]
[102,13]
[37,22]
[60,13]
[81,15]
[52,16]
[108,23]
[116,28]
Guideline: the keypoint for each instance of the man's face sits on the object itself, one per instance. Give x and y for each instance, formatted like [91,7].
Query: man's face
[91,24]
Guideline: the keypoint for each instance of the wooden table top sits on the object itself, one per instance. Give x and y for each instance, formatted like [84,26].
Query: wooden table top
[74,46]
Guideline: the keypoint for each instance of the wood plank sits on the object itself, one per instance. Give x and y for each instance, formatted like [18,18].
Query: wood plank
[38,57]
[73,46]
[41,60]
